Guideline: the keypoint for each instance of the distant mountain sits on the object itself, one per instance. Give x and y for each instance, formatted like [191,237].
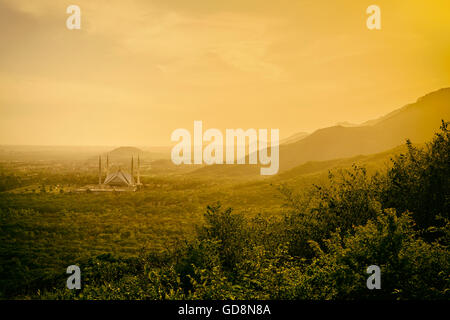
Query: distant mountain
[371,162]
[149,154]
[125,151]
[347,124]
[294,138]
[385,117]
[417,121]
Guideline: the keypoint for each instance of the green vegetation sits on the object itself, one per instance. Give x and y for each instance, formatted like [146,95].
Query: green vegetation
[306,234]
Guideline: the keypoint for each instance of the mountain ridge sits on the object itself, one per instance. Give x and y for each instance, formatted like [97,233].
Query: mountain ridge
[417,121]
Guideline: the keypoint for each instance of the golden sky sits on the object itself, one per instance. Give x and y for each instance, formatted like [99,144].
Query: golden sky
[139,69]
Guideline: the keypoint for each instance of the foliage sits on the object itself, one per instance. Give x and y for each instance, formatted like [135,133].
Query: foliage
[157,244]
[411,268]
[419,180]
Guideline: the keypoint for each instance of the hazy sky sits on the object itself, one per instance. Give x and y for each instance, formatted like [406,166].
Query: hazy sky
[139,69]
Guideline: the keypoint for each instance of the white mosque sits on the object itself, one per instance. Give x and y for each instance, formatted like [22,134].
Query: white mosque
[119,180]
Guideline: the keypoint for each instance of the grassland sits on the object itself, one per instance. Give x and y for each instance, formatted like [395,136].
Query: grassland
[46,226]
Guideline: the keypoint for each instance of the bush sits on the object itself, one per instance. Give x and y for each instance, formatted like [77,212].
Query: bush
[419,181]
[410,267]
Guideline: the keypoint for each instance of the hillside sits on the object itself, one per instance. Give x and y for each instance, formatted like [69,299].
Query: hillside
[124,154]
[373,162]
[125,151]
[417,122]
[294,138]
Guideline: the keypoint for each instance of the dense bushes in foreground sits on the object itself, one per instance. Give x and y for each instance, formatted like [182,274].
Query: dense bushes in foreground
[320,249]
